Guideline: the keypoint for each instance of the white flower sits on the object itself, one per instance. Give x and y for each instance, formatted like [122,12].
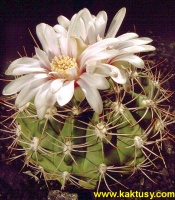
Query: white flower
[125,53]
[91,29]
[77,57]
[58,72]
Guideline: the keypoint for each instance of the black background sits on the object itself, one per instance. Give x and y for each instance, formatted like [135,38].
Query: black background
[17,16]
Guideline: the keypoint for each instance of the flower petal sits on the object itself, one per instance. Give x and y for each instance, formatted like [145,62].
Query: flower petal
[100,23]
[96,81]
[136,49]
[127,36]
[92,95]
[97,48]
[118,75]
[56,85]
[72,73]
[65,93]
[41,112]
[72,47]
[16,85]
[133,59]
[61,31]
[63,45]
[133,42]
[43,57]
[116,23]
[95,55]
[80,24]
[40,98]
[63,21]
[92,37]
[28,92]
[80,29]
[44,99]
[73,24]
[48,39]
[24,65]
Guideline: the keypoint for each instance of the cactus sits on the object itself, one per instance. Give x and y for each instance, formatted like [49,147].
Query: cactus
[87,108]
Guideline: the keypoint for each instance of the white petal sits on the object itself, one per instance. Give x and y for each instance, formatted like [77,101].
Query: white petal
[72,73]
[85,15]
[50,99]
[81,23]
[137,49]
[63,21]
[28,92]
[72,48]
[16,85]
[73,23]
[24,65]
[119,76]
[92,37]
[63,45]
[44,98]
[97,48]
[133,42]
[96,55]
[80,29]
[91,67]
[116,74]
[65,93]
[100,23]
[43,57]
[56,85]
[61,31]
[48,39]
[116,23]
[23,70]
[96,81]
[102,70]
[92,95]
[41,112]
[127,36]
[40,98]
[133,59]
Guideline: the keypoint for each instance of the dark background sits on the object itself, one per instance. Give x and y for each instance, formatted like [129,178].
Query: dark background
[17,16]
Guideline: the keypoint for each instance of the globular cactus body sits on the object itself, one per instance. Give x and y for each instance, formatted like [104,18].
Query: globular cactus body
[75,142]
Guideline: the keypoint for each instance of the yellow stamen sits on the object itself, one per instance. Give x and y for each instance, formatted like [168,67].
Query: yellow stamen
[61,63]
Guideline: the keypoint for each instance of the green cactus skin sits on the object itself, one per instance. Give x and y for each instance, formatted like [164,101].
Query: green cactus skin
[74,145]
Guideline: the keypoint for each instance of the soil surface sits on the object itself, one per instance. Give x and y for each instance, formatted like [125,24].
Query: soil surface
[17,185]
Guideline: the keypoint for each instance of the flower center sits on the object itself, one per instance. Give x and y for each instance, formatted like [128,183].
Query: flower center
[61,63]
